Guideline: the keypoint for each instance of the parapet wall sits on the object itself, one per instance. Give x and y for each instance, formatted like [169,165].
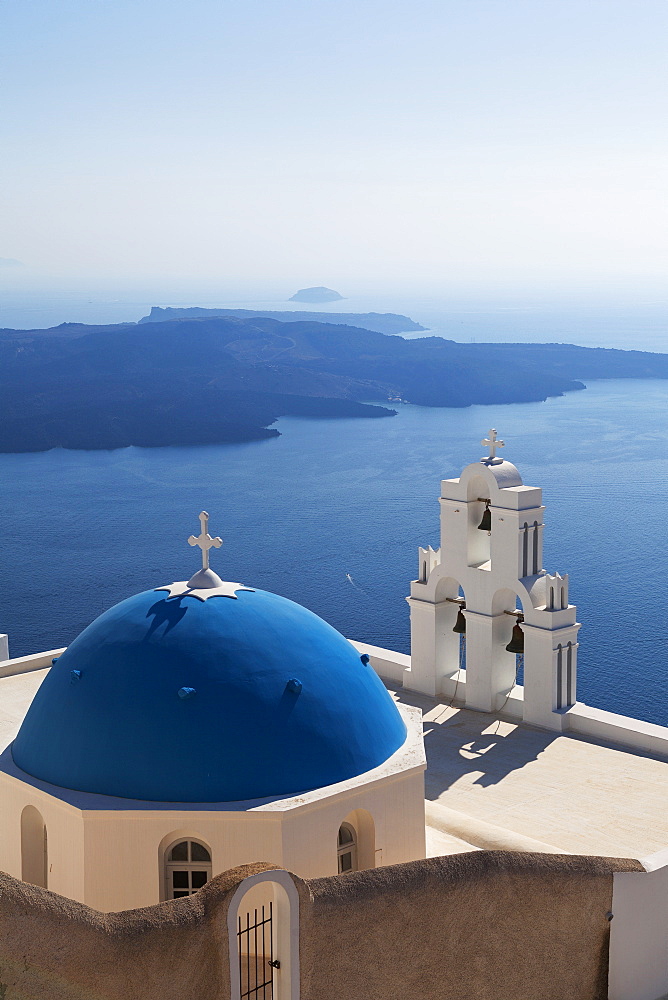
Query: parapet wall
[489,925]
[52,948]
[579,719]
[24,664]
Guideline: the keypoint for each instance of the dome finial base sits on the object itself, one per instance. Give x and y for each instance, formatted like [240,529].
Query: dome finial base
[204,579]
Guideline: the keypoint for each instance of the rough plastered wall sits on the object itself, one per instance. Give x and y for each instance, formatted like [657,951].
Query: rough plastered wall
[487,925]
[478,926]
[52,948]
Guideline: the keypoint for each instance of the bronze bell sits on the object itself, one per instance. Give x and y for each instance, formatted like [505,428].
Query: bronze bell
[460,624]
[516,644]
[486,522]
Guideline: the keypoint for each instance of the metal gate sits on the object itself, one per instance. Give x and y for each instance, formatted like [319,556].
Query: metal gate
[256,954]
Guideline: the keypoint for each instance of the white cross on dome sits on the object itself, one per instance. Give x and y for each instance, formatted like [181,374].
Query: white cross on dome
[205,583]
[204,540]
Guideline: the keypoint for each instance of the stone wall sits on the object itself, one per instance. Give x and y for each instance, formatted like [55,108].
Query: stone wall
[488,925]
[484,925]
[52,948]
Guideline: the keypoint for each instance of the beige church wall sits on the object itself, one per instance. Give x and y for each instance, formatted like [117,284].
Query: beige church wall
[302,839]
[483,925]
[388,819]
[125,851]
[64,836]
[487,925]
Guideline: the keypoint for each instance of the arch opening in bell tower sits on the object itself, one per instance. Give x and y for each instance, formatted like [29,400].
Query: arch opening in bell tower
[479,548]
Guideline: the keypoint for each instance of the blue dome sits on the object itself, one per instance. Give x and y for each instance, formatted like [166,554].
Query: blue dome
[181,700]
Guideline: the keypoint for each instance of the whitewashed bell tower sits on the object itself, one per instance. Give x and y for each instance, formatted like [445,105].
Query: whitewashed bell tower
[495,576]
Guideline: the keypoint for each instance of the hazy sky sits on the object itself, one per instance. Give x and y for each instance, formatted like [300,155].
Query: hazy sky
[362,143]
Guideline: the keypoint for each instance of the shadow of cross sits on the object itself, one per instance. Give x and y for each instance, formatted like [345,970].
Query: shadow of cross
[167,612]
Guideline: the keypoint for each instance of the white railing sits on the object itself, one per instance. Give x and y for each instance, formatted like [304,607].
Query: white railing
[24,664]
[579,719]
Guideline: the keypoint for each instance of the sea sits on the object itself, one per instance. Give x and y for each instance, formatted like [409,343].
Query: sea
[331,513]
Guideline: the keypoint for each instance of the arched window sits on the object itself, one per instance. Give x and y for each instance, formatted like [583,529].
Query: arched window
[187,868]
[347,849]
[34,848]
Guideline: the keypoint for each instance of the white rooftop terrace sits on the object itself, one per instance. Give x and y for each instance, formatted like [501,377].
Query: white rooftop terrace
[492,783]
[503,782]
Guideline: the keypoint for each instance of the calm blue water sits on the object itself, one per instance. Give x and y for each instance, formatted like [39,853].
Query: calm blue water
[82,530]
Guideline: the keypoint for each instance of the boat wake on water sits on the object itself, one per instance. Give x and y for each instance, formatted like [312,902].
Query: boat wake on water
[356,585]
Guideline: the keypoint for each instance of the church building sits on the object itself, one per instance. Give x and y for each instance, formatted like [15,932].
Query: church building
[203,725]
[267,809]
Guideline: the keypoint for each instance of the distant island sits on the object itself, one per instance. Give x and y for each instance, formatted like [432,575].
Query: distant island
[380,322]
[212,379]
[317,294]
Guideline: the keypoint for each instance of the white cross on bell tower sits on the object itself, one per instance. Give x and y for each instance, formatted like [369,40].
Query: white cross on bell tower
[492,442]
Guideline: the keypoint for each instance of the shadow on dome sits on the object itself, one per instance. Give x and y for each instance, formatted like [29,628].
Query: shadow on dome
[166,612]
